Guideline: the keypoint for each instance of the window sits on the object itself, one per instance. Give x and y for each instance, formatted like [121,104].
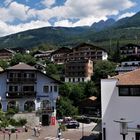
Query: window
[78,79]
[123,91]
[55,89]
[13,88]
[46,89]
[51,88]
[11,75]
[73,80]
[129,91]
[28,88]
[135,91]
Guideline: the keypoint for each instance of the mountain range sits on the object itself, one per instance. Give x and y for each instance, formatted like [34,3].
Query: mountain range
[125,30]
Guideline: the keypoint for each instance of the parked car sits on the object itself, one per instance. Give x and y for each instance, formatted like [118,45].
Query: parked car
[72,124]
[84,120]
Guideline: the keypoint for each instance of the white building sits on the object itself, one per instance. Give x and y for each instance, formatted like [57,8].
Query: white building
[127,66]
[78,71]
[27,89]
[120,97]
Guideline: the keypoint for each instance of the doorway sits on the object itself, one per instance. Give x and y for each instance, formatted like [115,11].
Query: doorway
[137,136]
[45,120]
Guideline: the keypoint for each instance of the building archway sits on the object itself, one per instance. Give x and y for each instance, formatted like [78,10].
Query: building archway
[12,105]
[0,105]
[29,106]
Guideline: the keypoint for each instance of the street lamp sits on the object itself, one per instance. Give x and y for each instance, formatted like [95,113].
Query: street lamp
[82,126]
[123,126]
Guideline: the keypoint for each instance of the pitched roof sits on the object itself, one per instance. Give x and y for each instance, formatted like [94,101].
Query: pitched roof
[130,45]
[21,66]
[90,45]
[129,78]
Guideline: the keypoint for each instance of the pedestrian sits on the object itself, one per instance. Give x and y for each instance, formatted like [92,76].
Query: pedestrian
[59,133]
[26,128]
[9,133]
[35,130]
[38,130]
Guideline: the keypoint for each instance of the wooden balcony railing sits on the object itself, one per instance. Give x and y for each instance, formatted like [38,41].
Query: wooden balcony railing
[44,110]
[23,94]
[21,80]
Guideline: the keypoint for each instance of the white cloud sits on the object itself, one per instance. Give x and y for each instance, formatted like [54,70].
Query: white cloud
[5,16]
[18,10]
[126,15]
[64,23]
[88,21]
[85,13]
[96,8]
[48,3]
[5,29]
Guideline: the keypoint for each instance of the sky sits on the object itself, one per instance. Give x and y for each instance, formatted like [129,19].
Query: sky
[21,15]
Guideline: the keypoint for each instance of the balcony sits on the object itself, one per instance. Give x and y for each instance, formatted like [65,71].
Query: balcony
[19,94]
[44,110]
[21,80]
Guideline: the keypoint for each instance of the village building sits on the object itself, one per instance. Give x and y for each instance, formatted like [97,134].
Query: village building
[60,55]
[120,99]
[78,71]
[6,54]
[43,55]
[90,106]
[130,52]
[127,66]
[87,51]
[26,89]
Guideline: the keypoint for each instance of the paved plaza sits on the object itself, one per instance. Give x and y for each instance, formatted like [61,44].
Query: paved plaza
[50,133]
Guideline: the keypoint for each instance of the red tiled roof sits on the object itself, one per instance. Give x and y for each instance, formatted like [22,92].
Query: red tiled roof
[129,78]
[21,66]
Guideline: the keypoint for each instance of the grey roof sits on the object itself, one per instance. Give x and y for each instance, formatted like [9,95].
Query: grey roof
[129,68]
[21,66]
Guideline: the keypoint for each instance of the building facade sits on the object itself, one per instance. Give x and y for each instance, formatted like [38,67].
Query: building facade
[127,66]
[87,51]
[131,51]
[120,98]
[6,54]
[60,55]
[78,71]
[25,88]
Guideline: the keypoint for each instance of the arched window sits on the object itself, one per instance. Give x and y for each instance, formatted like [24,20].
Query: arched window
[12,105]
[0,106]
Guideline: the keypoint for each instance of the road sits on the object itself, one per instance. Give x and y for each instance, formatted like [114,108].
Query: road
[50,133]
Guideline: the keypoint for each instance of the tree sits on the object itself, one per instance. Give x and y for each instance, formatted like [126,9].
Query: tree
[26,58]
[65,107]
[103,69]
[3,64]
[77,93]
[65,89]
[116,57]
[91,89]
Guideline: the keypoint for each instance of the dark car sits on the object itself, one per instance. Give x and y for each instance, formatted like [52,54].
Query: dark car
[72,124]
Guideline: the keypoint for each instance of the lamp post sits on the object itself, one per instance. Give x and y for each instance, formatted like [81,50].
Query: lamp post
[82,126]
[123,126]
